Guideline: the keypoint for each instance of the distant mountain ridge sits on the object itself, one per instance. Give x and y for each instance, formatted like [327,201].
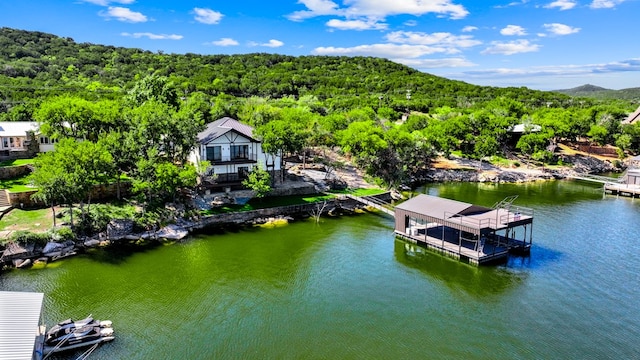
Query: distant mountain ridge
[597,92]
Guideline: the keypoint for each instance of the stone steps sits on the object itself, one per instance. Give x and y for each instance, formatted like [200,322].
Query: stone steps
[4,199]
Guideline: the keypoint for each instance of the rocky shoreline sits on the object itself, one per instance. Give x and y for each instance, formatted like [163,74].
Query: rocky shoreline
[577,164]
[121,231]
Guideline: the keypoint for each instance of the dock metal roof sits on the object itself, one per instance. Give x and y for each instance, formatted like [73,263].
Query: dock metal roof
[460,215]
[436,207]
[19,321]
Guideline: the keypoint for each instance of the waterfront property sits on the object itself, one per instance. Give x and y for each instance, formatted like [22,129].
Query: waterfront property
[233,151]
[22,140]
[468,232]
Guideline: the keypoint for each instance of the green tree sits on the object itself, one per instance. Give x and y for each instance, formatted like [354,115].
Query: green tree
[259,181]
[66,117]
[598,134]
[154,88]
[51,180]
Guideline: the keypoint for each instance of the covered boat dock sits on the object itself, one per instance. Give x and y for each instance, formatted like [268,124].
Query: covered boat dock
[20,330]
[471,233]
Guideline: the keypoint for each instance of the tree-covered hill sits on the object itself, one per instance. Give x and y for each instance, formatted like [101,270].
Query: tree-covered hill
[597,92]
[390,119]
[35,65]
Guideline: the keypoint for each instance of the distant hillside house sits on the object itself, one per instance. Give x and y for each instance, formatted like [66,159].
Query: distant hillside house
[22,140]
[633,117]
[233,152]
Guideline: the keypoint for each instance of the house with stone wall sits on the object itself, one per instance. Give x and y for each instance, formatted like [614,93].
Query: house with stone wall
[232,150]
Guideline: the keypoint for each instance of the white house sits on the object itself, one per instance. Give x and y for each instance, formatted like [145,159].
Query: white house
[22,139]
[233,152]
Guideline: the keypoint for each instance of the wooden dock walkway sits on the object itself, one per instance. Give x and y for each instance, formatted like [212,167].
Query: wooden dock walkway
[374,202]
[630,190]
[596,178]
[616,186]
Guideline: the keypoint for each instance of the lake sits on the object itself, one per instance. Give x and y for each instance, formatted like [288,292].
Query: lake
[347,289]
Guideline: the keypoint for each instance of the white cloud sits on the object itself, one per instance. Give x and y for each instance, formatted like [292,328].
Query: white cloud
[560,29]
[315,8]
[511,48]
[107,2]
[153,36]
[378,8]
[272,43]
[443,39]
[225,42]
[511,30]
[207,16]
[562,4]
[356,24]
[561,70]
[410,23]
[514,3]
[381,50]
[605,4]
[469,28]
[123,14]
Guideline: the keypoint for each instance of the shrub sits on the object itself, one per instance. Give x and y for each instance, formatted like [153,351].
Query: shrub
[63,234]
[27,237]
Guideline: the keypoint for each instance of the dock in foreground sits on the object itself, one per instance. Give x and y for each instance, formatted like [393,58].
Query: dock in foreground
[471,233]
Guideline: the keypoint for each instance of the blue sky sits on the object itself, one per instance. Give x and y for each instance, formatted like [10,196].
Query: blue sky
[547,44]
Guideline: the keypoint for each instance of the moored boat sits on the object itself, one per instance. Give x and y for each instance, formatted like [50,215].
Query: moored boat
[69,334]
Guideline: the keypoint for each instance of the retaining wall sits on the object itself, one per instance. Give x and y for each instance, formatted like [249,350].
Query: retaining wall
[10,172]
[292,210]
[99,192]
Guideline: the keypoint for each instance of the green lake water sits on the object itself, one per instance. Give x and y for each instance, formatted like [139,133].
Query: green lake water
[347,289]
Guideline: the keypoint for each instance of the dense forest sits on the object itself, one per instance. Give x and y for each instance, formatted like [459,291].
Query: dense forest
[390,119]
[35,65]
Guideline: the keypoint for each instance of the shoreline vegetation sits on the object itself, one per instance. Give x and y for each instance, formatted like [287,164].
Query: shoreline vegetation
[54,245]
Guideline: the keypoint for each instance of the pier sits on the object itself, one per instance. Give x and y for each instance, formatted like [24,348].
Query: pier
[626,185]
[374,202]
[471,233]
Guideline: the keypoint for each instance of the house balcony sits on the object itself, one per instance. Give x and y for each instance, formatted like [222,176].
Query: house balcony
[227,160]
[230,178]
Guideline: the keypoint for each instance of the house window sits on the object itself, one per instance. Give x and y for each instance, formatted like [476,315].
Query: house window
[214,153]
[5,142]
[239,152]
[44,140]
[18,142]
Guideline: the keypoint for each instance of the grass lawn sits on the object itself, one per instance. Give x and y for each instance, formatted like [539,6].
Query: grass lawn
[268,202]
[19,184]
[16,162]
[31,220]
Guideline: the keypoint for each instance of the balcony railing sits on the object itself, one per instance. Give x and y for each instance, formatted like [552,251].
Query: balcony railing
[251,158]
[230,178]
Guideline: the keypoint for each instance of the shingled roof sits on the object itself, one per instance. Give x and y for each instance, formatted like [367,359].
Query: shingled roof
[633,117]
[222,126]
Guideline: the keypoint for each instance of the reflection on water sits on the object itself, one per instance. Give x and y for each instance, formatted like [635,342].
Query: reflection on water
[347,289]
[475,281]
